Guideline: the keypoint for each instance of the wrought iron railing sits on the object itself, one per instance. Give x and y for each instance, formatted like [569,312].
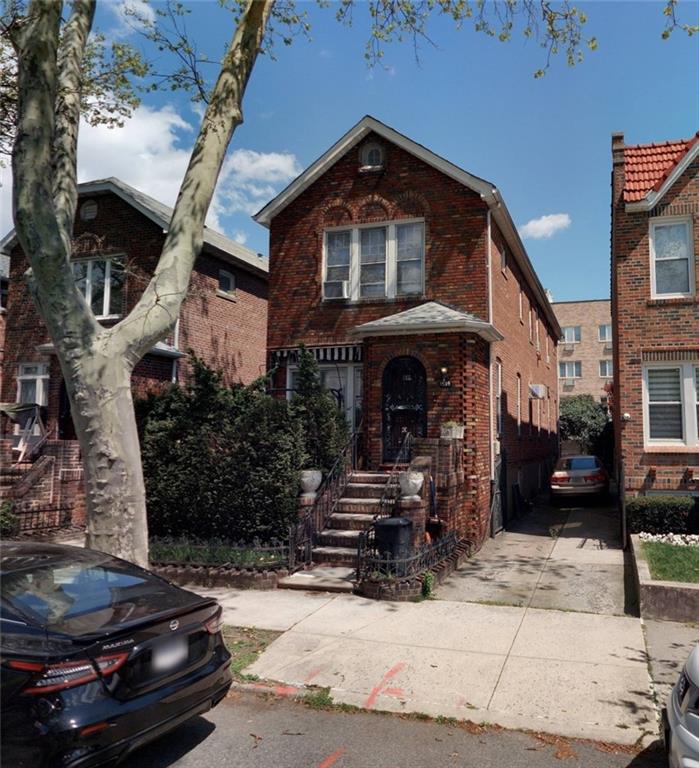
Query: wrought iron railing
[372,562]
[328,495]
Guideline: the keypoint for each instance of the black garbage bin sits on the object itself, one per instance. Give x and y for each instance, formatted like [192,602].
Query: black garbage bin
[393,537]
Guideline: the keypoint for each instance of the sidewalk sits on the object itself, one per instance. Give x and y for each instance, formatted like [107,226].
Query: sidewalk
[571,674]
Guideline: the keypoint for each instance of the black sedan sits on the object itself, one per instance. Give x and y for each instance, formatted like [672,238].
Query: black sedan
[99,657]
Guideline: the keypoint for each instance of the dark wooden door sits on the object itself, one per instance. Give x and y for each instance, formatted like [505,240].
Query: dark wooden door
[404,403]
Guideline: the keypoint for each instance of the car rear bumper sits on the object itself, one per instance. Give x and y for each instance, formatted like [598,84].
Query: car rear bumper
[589,489]
[681,745]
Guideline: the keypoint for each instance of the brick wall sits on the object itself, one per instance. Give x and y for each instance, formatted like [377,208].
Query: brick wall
[589,315]
[531,446]
[649,329]
[227,334]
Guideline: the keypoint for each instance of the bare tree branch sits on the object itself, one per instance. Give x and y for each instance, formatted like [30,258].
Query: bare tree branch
[68,108]
[159,306]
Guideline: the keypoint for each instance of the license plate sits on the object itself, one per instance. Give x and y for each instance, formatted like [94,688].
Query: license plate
[170,654]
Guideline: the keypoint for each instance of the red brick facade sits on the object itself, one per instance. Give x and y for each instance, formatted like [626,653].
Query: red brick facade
[228,333]
[653,332]
[459,241]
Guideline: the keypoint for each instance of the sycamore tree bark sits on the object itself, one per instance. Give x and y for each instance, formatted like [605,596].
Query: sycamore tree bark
[97,362]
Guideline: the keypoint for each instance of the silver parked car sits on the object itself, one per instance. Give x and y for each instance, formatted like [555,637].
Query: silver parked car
[579,476]
[681,717]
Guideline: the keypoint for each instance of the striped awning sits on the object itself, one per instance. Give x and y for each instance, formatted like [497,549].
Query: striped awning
[351,353]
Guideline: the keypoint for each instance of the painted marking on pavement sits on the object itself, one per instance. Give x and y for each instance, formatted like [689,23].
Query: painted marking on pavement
[330,760]
[313,673]
[382,686]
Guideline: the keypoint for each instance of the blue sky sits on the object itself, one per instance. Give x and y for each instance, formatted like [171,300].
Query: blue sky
[544,142]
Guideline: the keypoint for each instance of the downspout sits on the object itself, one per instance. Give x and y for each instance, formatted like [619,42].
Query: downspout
[490,346]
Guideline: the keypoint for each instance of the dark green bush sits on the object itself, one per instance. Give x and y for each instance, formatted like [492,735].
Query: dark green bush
[584,419]
[9,522]
[322,422]
[662,514]
[220,462]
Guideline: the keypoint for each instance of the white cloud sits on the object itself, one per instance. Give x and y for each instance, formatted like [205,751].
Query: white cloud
[240,236]
[151,153]
[545,226]
[131,15]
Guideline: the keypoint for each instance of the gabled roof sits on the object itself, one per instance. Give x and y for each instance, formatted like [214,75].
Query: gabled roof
[651,169]
[161,214]
[431,317]
[488,192]
[355,134]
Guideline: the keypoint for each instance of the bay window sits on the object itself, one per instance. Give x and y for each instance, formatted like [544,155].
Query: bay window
[671,404]
[101,282]
[374,261]
[672,258]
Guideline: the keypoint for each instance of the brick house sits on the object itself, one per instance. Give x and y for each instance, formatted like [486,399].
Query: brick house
[118,237]
[585,352]
[406,277]
[655,313]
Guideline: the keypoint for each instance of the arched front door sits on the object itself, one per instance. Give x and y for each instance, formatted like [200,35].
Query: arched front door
[404,403]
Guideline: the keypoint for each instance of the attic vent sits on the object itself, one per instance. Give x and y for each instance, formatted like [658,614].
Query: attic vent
[371,157]
[88,210]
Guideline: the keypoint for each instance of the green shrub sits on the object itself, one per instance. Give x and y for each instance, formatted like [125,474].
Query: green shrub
[662,514]
[323,424]
[218,462]
[9,522]
[584,419]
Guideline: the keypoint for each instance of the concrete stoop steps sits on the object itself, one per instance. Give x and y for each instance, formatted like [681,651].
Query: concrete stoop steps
[335,548]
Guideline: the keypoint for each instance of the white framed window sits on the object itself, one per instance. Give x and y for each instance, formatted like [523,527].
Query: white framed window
[531,324]
[33,383]
[570,369]
[343,380]
[671,404]
[536,330]
[226,283]
[521,306]
[374,261]
[503,257]
[572,334]
[672,258]
[548,351]
[101,282]
[498,397]
[605,332]
[371,155]
[606,370]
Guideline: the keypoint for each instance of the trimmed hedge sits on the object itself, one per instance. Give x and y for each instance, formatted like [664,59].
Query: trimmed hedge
[662,514]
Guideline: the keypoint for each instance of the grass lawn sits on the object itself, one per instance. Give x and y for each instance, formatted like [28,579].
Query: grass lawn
[245,644]
[670,563]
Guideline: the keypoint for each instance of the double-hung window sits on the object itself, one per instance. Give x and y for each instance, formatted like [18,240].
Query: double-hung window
[498,398]
[672,258]
[374,261]
[570,369]
[606,370]
[572,334]
[101,282]
[33,383]
[671,404]
[605,333]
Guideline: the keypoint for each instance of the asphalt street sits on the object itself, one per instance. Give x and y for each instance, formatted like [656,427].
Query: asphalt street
[250,731]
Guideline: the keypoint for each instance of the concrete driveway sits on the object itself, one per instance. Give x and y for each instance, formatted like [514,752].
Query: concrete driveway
[567,559]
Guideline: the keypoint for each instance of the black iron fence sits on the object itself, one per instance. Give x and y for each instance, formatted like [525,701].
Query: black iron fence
[372,563]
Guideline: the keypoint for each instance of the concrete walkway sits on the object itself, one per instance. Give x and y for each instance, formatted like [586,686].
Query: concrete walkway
[565,673]
[568,559]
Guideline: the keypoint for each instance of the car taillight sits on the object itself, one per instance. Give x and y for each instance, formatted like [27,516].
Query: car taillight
[67,674]
[214,624]
[559,477]
[596,478]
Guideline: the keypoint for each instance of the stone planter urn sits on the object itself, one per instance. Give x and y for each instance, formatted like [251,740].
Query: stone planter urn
[410,483]
[452,432]
[311,480]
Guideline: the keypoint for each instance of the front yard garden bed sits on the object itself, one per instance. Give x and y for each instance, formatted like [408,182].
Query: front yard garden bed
[245,644]
[659,566]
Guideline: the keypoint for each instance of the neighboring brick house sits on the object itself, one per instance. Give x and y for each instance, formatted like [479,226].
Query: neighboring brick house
[118,236]
[655,313]
[585,350]
[406,277]
[4,290]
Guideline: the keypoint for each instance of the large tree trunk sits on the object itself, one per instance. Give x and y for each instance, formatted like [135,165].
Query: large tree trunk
[99,388]
[97,362]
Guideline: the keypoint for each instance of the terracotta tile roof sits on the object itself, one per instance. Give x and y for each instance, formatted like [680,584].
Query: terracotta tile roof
[648,165]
